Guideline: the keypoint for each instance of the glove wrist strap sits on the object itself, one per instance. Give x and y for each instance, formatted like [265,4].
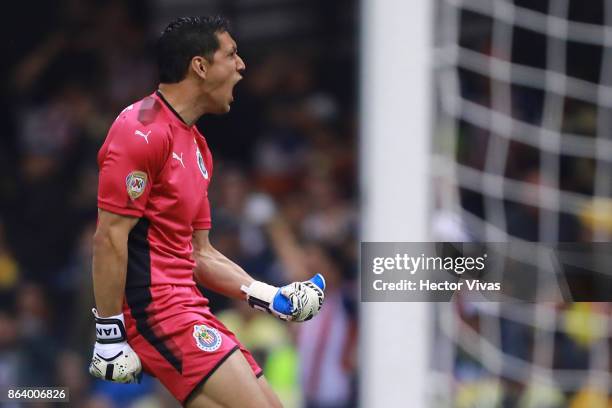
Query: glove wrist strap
[260,295]
[110,330]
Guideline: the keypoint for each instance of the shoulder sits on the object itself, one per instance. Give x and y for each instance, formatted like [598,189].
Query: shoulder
[141,124]
[146,114]
[140,135]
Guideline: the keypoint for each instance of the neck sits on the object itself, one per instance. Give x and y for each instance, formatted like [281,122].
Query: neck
[185,100]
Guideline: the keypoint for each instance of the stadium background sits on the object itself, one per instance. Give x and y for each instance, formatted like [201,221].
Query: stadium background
[283,197]
[520,141]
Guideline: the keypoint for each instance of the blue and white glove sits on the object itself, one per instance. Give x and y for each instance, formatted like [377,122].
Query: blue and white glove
[113,359]
[297,302]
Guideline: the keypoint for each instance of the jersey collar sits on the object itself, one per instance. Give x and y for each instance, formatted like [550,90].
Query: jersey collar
[174,112]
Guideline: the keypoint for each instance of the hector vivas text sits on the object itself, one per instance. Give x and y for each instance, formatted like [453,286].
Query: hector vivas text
[413,264]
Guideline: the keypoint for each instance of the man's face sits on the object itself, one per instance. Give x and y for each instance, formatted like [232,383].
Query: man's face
[223,74]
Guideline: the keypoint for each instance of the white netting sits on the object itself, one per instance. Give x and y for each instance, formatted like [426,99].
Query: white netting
[523,152]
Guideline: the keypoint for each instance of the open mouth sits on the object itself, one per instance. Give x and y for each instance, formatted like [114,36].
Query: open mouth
[233,88]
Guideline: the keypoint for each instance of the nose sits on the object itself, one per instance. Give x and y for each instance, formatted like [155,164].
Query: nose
[241,64]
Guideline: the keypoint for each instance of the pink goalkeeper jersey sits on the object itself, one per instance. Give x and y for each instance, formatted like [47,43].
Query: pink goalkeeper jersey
[156,167]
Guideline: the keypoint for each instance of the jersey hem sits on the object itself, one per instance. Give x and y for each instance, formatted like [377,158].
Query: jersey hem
[202,225]
[120,210]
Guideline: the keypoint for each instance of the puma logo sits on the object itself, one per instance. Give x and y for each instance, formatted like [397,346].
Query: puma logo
[179,158]
[144,135]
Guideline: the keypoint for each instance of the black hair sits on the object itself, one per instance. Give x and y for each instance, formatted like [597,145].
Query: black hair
[185,38]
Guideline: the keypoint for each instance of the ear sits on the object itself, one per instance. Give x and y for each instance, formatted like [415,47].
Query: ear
[199,66]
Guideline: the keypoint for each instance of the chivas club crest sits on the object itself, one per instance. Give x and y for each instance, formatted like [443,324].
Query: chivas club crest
[201,164]
[206,338]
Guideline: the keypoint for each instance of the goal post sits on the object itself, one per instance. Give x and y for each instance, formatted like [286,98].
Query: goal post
[395,115]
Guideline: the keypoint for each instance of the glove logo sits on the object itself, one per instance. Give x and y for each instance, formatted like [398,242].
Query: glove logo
[206,338]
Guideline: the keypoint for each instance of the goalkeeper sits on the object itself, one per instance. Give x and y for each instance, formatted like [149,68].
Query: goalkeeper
[152,239]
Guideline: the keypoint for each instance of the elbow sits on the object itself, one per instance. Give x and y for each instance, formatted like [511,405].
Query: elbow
[199,274]
[100,240]
[203,262]
[105,242]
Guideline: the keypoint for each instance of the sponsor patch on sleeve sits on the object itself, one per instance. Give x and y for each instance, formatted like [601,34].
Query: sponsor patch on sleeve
[135,183]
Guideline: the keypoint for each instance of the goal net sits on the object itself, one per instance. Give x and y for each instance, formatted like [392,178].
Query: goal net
[522,153]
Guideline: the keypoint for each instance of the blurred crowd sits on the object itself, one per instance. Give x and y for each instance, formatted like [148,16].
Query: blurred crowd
[547,355]
[283,196]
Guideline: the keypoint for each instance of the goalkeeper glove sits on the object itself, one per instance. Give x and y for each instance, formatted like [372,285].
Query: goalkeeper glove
[113,359]
[298,301]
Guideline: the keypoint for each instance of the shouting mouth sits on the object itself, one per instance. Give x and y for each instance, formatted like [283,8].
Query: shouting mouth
[233,87]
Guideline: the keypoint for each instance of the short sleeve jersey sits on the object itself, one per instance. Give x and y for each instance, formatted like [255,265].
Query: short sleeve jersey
[155,167]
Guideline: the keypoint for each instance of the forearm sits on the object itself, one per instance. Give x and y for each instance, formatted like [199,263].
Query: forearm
[109,272]
[219,274]
[298,301]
